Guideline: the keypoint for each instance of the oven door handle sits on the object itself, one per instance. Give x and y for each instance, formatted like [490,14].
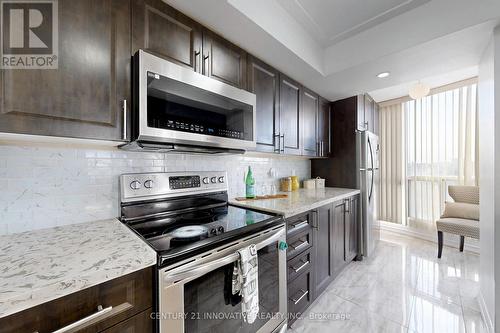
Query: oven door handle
[189,272]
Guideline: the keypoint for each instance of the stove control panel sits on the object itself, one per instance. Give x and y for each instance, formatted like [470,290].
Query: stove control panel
[143,186]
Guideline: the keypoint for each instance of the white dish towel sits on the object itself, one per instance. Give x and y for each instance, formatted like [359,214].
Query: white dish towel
[245,282]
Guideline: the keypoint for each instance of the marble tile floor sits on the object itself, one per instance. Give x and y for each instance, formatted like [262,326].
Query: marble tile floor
[403,287]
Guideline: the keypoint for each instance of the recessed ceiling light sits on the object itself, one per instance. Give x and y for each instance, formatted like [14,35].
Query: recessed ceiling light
[383,74]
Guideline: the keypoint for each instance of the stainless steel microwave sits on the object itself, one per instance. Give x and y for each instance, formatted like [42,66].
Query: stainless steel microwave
[177,109]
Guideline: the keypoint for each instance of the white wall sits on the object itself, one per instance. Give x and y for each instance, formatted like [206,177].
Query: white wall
[489,159]
[43,186]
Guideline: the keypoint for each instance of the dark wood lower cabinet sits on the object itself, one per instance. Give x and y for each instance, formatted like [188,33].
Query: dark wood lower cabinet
[122,302]
[331,233]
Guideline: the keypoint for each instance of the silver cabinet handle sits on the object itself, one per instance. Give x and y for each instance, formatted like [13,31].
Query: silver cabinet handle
[124,119]
[300,246]
[347,205]
[300,225]
[100,312]
[282,138]
[277,138]
[206,64]
[195,62]
[304,294]
[304,264]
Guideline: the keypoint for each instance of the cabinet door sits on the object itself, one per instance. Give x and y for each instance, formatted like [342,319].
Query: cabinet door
[324,131]
[290,115]
[376,118]
[223,61]
[360,112]
[351,228]
[338,234]
[310,101]
[263,81]
[323,246]
[160,29]
[84,96]
[369,112]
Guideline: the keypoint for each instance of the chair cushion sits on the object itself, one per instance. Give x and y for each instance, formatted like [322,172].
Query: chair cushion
[462,227]
[467,194]
[461,210]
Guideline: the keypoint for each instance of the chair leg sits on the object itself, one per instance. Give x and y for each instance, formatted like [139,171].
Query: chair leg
[462,241]
[440,243]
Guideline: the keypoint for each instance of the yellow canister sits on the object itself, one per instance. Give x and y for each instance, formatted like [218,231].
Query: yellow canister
[286,184]
[295,183]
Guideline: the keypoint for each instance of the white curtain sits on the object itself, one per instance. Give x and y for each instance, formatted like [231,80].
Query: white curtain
[392,167]
[436,141]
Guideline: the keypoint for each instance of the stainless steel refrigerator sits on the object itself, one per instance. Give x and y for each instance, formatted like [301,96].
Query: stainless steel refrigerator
[355,164]
[368,149]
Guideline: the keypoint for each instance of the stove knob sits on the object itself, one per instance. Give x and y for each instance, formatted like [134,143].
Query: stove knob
[213,180]
[221,179]
[220,229]
[213,232]
[135,185]
[205,180]
[148,183]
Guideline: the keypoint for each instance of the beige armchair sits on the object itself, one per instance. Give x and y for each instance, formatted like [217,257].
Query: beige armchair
[460,217]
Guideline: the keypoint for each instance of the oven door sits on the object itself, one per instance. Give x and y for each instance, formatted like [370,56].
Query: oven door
[194,294]
[179,106]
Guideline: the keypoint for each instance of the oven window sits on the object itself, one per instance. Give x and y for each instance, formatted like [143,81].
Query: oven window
[209,309]
[182,107]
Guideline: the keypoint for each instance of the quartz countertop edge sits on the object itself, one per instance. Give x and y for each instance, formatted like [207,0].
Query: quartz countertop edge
[299,201]
[42,265]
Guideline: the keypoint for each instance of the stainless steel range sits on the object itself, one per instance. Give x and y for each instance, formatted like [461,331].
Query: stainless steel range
[186,218]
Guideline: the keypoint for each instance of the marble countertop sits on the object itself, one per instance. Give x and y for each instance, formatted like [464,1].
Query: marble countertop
[298,201]
[42,265]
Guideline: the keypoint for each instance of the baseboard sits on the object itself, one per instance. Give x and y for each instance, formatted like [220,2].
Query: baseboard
[484,313]
[431,237]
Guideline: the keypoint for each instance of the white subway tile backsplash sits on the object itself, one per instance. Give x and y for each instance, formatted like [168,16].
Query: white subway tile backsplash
[43,187]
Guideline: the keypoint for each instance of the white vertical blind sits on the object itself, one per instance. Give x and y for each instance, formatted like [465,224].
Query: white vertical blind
[441,138]
[392,167]
[426,145]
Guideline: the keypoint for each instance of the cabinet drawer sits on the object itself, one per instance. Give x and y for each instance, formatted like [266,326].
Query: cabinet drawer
[140,323]
[298,223]
[118,299]
[299,264]
[299,295]
[299,242]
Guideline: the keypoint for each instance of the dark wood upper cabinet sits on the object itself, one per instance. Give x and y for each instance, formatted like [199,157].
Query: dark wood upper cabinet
[224,61]
[324,130]
[290,114]
[162,30]
[84,96]
[310,102]
[263,81]
[376,112]
[369,112]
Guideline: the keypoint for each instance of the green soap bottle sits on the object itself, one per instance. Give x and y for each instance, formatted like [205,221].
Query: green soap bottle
[250,184]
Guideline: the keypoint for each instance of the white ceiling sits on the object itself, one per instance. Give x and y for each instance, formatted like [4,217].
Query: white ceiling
[330,21]
[336,47]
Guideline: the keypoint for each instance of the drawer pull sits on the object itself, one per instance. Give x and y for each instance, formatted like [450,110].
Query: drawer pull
[71,327]
[298,269]
[300,246]
[300,224]
[304,294]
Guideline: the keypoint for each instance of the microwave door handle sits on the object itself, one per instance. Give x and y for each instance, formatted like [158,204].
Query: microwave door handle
[210,266]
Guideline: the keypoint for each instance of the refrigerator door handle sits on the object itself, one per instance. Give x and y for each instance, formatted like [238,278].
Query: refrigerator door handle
[371,169]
